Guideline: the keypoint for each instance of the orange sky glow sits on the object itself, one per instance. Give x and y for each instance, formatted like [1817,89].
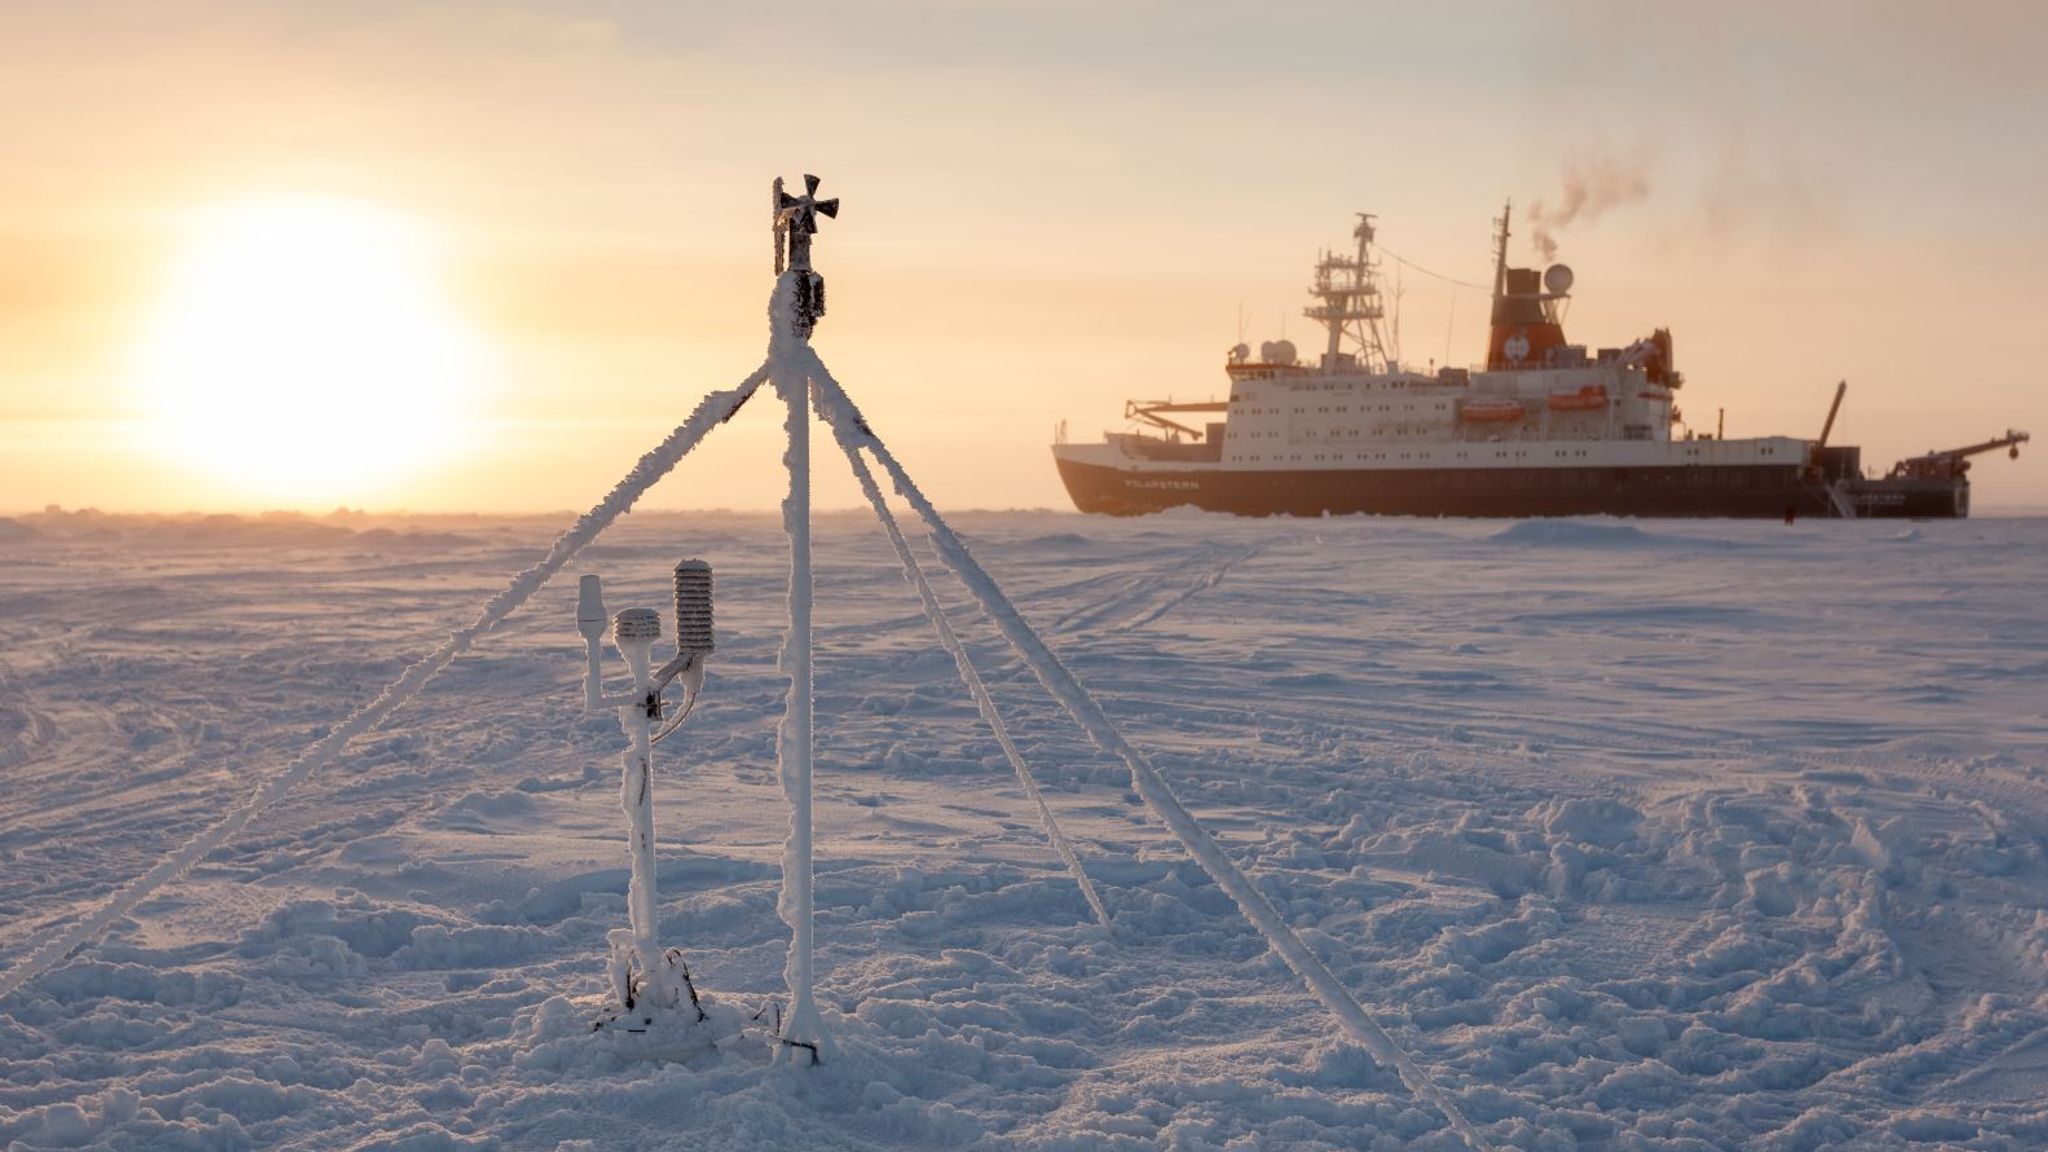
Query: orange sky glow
[509,245]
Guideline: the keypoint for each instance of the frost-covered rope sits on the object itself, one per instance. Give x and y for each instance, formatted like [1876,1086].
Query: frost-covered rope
[845,418]
[715,409]
[950,641]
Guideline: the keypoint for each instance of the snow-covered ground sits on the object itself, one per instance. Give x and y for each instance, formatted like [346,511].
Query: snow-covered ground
[1634,834]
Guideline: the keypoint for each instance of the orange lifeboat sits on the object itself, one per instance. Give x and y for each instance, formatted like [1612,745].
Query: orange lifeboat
[1490,410]
[1587,399]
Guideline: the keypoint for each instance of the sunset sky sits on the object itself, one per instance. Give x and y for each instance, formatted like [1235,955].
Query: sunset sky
[546,225]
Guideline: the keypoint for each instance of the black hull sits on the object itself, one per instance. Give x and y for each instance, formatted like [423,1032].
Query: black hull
[1683,491]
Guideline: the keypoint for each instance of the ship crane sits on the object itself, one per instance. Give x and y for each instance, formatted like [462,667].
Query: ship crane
[1955,462]
[1152,412]
[1815,451]
[1834,410]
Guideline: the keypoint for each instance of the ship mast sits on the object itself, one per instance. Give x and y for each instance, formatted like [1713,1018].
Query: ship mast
[1500,251]
[1348,304]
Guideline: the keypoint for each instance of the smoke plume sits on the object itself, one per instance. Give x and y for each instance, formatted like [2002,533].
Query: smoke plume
[1593,182]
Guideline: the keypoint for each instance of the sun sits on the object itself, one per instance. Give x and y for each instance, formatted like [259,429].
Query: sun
[304,353]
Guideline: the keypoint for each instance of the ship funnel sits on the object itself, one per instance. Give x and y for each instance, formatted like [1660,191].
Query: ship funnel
[1525,331]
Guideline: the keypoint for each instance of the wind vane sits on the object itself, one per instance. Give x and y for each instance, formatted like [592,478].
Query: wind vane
[796,221]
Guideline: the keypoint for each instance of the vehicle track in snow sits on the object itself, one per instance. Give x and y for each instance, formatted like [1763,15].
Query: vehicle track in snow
[1136,601]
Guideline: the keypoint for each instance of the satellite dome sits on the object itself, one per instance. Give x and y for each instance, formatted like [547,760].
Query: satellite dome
[1282,352]
[1557,279]
[1241,353]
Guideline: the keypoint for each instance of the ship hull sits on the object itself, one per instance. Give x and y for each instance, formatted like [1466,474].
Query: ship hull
[1679,491]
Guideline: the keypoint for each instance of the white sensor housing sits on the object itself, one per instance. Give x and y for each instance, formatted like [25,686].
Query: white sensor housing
[694,636]
[635,630]
[590,620]
[590,614]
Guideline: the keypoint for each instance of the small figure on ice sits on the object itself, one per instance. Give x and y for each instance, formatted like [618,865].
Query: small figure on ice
[796,221]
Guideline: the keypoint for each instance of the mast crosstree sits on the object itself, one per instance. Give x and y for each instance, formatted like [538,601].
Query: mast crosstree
[1347,294]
